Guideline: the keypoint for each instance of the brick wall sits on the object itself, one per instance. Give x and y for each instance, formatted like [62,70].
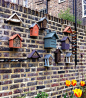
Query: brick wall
[20,77]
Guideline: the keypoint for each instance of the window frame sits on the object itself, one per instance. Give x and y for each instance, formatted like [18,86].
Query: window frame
[14,1]
[83,9]
[59,1]
[25,4]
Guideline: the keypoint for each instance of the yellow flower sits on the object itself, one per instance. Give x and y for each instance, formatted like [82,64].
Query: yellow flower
[77,92]
[67,83]
[82,83]
[73,82]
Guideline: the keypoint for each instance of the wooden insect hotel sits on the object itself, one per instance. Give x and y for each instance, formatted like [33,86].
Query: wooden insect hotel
[34,30]
[68,57]
[67,30]
[50,39]
[15,41]
[58,55]
[48,60]
[14,18]
[34,54]
[65,43]
[43,23]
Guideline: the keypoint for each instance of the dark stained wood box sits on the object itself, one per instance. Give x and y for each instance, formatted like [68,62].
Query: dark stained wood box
[43,23]
[15,41]
[58,55]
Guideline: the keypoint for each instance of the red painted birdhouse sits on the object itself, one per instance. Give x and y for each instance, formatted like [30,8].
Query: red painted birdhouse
[34,30]
[67,30]
[15,41]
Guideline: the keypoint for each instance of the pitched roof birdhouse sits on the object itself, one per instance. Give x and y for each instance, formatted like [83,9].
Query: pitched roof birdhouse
[67,30]
[15,41]
[58,55]
[68,57]
[43,23]
[65,42]
[34,54]
[48,60]
[34,30]
[14,18]
[50,39]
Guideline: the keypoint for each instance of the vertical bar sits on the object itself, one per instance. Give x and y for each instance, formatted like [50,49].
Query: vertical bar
[46,6]
[76,32]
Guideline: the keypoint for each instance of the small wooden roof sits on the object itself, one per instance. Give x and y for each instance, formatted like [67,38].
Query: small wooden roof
[67,30]
[48,56]
[15,36]
[13,19]
[58,50]
[64,38]
[32,53]
[68,54]
[51,34]
[34,25]
[42,19]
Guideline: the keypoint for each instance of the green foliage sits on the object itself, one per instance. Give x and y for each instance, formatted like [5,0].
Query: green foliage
[42,95]
[66,15]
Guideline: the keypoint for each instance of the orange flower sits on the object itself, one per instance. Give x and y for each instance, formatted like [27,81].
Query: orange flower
[73,82]
[82,83]
[67,83]
[77,92]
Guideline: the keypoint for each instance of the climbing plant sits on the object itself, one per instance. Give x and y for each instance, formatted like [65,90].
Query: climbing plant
[66,15]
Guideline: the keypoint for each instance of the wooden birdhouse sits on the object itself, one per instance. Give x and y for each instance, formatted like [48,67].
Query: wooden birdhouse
[68,57]
[34,30]
[65,42]
[67,30]
[14,18]
[34,54]
[58,55]
[43,23]
[50,39]
[15,41]
[48,60]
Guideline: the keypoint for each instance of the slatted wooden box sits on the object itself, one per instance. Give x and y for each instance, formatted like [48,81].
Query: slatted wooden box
[15,41]
[48,60]
[34,30]
[50,39]
[65,43]
[43,23]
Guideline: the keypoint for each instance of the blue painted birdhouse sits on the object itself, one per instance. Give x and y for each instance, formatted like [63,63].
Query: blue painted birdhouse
[50,39]
[68,57]
[65,42]
[48,60]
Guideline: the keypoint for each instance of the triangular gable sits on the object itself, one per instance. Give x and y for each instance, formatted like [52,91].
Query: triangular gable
[34,25]
[48,56]
[65,38]
[42,19]
[51,34]
[34,54]
[14,36]
[67,30]
[68,54]
[14,18]
[58,50]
